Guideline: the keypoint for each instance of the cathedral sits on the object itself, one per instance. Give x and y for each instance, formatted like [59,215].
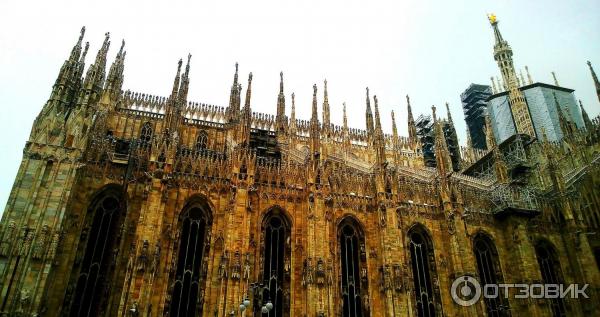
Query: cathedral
[131,204]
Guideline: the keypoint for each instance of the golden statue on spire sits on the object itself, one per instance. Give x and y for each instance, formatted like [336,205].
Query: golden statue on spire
[492,18]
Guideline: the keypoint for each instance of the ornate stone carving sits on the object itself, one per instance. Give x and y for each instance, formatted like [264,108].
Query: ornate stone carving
[222,272]
[155,259]
[143,257]
[26,238]
[451,223]
[246,274]
[307,272]
[236,266]
[398,284]
[54,247]
[8,236]
[40,246]
[320,273]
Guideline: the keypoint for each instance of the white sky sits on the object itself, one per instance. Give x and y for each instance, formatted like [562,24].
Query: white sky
[431,50]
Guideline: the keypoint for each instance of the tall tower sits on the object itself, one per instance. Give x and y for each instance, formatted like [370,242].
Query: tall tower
[503,55]
[35,217]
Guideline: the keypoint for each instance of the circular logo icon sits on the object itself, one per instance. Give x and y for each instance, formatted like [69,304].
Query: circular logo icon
[465,290]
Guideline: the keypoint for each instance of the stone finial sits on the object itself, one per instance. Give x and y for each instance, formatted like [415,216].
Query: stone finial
[555,80]
[528,75]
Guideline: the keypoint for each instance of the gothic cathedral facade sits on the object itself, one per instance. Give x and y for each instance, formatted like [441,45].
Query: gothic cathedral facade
[129,204]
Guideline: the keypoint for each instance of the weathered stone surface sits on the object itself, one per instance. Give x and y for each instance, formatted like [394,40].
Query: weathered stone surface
[240,166]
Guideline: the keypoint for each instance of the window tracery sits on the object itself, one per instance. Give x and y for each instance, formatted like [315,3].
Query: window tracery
[99,239]
[425,279]
[187,296]
[354,287]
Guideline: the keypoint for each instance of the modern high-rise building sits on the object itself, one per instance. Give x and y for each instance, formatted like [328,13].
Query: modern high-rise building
[474,104]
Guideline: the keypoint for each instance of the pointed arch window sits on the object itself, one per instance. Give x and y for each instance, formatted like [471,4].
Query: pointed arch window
[354,285]
[191,250]
[551,274]
[146,134]
[201,141]
[488,267]
[276,263]
[424,275]
[99,239]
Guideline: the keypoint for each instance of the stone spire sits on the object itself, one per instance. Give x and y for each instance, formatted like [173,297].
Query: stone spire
[377,117]
[494,90]
[412,127]
[377,137]
[449,114]
[179,97]
[503,55]
[555,80]
[345,117]
[326,111]
[185,84]
[176,81]
[114,80]
[293,127]
[293,114]
[248,94]
[452,140]
[172,111]
[442,155]
[280,119]
[595,78]
[369,116]
[76,51]
[345,132]
[586,118]
[246,121]
[378,141]
[523,82]
[395,141]
[470,150]
[314,124]
[314,113]
[564,123]
[234,98]
[394,127]
[81,64]
[530,81]
[93,83]
[68,80]
[500,168]
[556,176]
[94,79]
[490,140]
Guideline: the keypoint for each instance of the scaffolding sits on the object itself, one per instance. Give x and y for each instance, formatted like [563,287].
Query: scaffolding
[424,126]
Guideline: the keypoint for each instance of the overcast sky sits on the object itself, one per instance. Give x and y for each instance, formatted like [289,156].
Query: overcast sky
[431,50]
